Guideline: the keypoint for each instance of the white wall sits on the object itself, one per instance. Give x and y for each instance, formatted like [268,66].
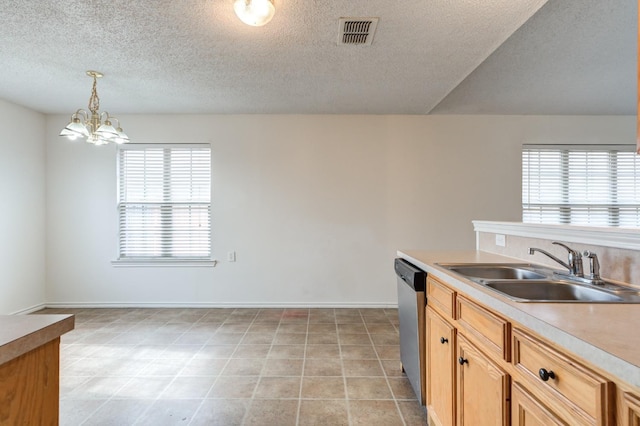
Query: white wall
[22,216]
[314,206]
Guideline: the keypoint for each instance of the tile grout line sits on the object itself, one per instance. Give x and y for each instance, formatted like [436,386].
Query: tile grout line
[344,375]
[304,361]
[255,389]
[157,398]
[111,397]
[386,378]
[195,413]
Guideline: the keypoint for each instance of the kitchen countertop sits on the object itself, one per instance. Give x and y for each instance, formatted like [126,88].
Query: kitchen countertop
[605,335]
[20,334]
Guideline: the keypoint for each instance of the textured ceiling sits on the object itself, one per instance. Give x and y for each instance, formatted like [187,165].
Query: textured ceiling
[195,56]
[428,56]
[572,57]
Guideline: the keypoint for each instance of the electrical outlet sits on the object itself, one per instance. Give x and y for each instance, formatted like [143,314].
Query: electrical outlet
[231,256]
[501,240]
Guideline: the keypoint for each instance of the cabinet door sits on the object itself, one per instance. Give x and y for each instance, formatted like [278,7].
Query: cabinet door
[483,388]
[630,415]
[526,410]
[441,371]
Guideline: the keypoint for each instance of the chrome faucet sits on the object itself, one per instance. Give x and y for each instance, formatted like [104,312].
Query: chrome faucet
[574,261]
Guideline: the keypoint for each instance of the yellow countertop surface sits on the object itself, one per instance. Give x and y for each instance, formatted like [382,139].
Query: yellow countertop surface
[20,334]
[606,335]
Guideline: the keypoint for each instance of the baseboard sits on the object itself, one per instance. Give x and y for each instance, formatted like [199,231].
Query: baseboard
[113,305]
[31,309]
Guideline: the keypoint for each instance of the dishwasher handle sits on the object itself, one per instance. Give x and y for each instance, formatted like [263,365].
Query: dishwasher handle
[413,276]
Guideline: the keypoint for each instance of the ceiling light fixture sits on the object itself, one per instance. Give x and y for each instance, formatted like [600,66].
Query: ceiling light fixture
[254,12]
[91,127]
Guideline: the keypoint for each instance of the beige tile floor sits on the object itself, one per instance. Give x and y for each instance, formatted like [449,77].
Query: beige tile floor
[234,367]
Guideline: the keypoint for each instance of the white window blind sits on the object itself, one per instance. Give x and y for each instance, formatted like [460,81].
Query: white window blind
[164,206]
[595,185]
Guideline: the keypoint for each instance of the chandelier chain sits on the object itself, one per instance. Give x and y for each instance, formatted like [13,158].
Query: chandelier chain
[94,100]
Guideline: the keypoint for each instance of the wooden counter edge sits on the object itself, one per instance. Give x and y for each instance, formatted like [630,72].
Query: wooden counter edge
[36,338]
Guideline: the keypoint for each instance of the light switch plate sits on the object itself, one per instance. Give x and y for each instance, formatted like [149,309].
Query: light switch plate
[501,240]
[231,256]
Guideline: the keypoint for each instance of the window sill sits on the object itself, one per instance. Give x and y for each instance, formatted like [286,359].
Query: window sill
[163,263]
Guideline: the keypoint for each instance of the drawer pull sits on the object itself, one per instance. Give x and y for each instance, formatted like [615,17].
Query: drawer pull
[463,361]
[443,340]
[546,375]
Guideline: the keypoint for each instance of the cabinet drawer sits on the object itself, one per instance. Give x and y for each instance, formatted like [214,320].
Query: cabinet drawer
[488,329]
[440,296]
[572,389]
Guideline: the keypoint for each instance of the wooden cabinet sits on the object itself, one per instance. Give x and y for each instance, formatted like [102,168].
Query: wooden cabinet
[29,368]
[440,297]
[483,388]
[441,371]
[465,386]
[573,391]
[488,329]
[629,409]
[29,387]
[526,410]
[482,369]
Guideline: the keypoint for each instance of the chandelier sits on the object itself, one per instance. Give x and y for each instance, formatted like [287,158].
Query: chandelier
[89,125]
[254,12]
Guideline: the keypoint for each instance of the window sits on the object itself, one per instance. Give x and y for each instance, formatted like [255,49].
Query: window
[164,202]
[595,185]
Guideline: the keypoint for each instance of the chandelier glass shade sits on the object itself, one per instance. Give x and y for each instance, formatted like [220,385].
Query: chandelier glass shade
[254,12]
[90,125]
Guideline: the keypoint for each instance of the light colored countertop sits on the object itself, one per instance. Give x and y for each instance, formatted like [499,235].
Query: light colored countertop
[606,335]
[20,334]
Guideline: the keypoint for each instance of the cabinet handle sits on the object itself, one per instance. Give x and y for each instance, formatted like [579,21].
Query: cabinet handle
[463,361]
[443,340]
[546,375]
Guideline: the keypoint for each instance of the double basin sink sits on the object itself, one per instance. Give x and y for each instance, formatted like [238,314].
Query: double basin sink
[532,283]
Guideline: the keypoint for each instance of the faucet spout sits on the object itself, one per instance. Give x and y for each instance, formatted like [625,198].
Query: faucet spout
[532,250]
[574,261]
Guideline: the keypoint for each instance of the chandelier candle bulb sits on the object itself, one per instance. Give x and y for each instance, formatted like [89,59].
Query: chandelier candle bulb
[89,125]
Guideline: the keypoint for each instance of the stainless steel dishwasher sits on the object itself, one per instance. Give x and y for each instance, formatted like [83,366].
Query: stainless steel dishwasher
[411,306]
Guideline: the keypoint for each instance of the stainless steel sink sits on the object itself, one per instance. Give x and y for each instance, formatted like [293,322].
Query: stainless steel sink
[483,272]
[496,271]
[523,282]
[554,291]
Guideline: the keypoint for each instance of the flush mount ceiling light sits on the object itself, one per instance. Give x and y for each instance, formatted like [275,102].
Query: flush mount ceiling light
[90,126]
[254,12]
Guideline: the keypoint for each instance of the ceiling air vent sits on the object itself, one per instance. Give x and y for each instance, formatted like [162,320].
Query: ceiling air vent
[357,31]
